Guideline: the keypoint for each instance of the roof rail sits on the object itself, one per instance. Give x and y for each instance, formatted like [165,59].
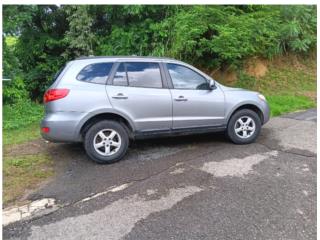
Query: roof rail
[132,56]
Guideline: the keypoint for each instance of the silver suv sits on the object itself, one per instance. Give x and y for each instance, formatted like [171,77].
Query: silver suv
[105,102]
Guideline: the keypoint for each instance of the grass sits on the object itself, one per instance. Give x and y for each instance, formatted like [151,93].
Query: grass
[21,135]
[280,104]
[21,122]
[21,173]
[289,85]
[22,114]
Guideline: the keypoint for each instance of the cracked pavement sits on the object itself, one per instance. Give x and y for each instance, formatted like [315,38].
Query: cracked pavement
[194,187]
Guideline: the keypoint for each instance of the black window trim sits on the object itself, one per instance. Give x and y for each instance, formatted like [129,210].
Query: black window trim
[170,82]
[117,65]
[107,78]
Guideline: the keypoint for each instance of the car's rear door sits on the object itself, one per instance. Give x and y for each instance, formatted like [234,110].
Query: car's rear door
[194,103]
[139,91]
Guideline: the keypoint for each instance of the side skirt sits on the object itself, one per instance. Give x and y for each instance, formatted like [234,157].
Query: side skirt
[177,132]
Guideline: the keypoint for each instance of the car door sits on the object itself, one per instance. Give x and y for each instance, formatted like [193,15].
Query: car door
[194,103]
[138,91]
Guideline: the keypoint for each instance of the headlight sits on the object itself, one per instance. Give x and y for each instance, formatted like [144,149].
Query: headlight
[263,98]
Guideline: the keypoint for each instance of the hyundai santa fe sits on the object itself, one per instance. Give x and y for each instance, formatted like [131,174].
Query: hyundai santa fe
[105,102]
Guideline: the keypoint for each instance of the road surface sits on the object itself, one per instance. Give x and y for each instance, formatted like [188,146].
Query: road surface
[195,187]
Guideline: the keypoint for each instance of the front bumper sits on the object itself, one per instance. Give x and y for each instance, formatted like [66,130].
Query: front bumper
[266,112]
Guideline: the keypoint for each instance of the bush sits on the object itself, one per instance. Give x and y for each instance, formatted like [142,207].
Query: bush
[298,28]
[14,91]
[21,114]
[212,36]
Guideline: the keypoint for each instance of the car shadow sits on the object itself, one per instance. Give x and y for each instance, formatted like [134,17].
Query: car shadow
[77,176]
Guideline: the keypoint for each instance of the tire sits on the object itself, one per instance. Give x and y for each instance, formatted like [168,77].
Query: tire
[100,147]
[236,130]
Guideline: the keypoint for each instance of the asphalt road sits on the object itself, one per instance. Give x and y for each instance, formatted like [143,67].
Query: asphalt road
[195,187]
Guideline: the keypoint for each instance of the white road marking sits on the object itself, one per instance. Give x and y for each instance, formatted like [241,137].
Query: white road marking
[111,189]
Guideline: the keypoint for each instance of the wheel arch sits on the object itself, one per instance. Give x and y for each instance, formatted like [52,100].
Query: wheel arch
[250,106]
[106,115]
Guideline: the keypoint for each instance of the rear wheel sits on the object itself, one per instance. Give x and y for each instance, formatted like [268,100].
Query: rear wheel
[244,127]
[106,142]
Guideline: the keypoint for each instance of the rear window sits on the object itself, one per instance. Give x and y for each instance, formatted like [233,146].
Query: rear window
[95,73]
[55,77]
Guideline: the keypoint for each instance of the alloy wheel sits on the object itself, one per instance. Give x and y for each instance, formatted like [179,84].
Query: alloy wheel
[244,127]
[107,142]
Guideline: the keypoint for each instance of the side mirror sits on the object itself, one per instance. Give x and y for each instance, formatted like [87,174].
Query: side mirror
[211,84]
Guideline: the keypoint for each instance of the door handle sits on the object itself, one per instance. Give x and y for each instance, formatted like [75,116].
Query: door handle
[181,99]
[120,96]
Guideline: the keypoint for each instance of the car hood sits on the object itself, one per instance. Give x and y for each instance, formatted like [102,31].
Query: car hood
[225,88]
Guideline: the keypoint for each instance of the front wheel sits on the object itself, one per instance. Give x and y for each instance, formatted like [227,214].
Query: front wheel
[106,142]
[244,127]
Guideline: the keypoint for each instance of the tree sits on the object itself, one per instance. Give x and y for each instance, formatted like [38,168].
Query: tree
[207,36]
[80,36]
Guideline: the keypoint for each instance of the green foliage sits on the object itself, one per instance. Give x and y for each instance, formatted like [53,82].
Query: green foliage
[247,35]
[21,122]
[10,61]
[287,87]
[280,104]
[21,114]
[15,16]
[207,36]
[298,28]
[14,91]
[40,48]
[246,81]
[80,35]
[21,135]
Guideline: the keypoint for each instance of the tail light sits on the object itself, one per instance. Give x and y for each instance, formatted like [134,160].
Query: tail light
[45,129]
[55,94]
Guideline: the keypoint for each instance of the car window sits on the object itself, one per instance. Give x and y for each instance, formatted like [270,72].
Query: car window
[184,78]
[120,78]
[58,73]
[138,74]
[144,74]
[95,73]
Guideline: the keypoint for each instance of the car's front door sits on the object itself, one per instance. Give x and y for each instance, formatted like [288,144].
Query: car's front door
[138,91]
[194,103]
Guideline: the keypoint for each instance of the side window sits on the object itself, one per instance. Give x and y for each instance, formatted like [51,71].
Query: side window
[95,73]
[120,78]
[144,74]
[138,74]
[185,78]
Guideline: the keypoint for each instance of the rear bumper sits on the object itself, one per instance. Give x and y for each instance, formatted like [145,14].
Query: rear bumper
[63,126]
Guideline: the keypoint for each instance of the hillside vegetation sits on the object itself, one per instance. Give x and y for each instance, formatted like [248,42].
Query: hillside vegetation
[270,49]
[40,39]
